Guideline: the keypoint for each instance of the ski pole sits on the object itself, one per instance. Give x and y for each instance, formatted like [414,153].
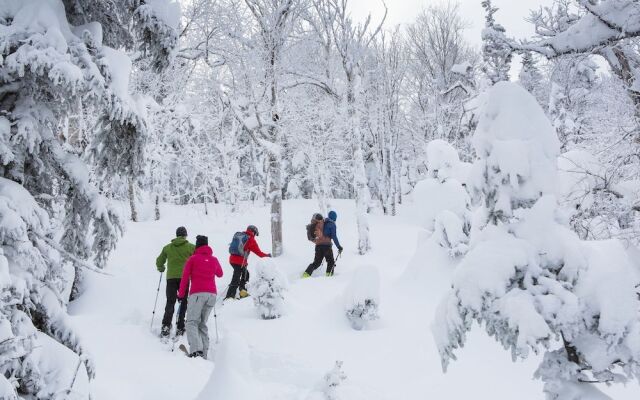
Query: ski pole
[153,315]
[215,318]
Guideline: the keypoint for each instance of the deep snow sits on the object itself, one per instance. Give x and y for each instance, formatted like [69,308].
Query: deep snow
[395,357]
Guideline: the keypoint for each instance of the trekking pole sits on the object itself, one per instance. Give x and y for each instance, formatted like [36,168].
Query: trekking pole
[153,315]
[215,318]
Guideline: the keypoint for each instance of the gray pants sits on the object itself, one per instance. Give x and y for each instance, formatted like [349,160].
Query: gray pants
[200,306]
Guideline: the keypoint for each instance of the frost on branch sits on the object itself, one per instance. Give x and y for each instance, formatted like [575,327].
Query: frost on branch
[530,281]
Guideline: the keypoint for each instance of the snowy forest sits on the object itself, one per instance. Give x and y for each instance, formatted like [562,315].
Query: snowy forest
[510,170]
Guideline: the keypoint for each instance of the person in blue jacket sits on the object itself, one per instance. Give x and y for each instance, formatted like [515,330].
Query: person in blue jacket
[326,232]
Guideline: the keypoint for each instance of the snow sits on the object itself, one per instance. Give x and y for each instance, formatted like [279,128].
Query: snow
[517,140]
[167,10]
[120,69]
[288,357]
[430,197]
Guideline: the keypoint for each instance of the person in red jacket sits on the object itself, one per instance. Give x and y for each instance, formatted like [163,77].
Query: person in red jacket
[239,263]
[199,277]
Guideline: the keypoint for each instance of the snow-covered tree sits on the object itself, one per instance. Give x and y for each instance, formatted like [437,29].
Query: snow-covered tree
[332,381]
[56,65]
[362,297]
[529,280]
[268,288]
[496,52]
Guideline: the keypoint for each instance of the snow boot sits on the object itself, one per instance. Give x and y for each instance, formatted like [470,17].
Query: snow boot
[180,332]
[306,275]
[197,354]
[243,294]
[329,274]
[165,331]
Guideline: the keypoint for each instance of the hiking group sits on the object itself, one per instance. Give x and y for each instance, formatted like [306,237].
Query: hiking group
[193,269]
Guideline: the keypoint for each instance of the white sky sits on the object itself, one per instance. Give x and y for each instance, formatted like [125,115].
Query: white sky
[511,14]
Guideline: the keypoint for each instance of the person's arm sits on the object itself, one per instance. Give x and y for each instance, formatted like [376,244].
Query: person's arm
[162,258]
[217,268]
[184,281]
[255,249]
[334,236]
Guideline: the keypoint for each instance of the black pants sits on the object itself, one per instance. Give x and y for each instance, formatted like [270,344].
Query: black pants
[322,252]
[239,279]
[172,294]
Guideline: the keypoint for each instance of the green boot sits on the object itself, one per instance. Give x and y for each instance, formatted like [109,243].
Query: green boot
[329,274]
[305,275]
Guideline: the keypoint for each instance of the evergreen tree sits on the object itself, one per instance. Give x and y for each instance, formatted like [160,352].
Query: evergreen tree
[54,222]
[496,51]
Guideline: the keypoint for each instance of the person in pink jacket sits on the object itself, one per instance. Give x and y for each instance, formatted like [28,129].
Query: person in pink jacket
[199,277]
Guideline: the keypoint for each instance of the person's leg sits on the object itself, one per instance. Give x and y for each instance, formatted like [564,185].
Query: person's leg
[331,263]
[235,281]
[204,330]
[317,260]
[182,312]
[244,278]
[171,294]
[193,322]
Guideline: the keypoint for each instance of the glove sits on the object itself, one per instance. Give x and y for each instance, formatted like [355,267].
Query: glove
[340,250]
[161,268]
[269,255]
[180,299]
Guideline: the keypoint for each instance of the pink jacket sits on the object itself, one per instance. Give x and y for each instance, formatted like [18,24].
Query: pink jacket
[200,271]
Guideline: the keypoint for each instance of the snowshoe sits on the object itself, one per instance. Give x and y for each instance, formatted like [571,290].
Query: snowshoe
[196,354]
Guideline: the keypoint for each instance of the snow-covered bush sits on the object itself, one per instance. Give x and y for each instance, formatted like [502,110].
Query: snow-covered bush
[451,233]
[527,279]
[268,287]
[430,197]
[598,207]
[362,297]
[443,161]
[332,381]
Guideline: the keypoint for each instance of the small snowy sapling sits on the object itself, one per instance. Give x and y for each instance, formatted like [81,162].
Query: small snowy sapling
[332,380]
[362,297]
[268,290]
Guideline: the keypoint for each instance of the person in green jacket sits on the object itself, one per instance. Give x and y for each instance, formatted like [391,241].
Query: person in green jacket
[175,255]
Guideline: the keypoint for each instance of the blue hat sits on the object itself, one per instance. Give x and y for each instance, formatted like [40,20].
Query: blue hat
[333,216]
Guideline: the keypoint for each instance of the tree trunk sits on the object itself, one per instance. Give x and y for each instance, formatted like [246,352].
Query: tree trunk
[157,207]
[360,187]
[132,201]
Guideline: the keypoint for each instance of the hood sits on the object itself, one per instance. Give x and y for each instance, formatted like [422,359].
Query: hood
[204,250]
[250,233]
[179,241]
[333,216]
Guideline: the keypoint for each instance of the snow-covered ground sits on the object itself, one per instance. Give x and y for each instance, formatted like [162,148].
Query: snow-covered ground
[395,358]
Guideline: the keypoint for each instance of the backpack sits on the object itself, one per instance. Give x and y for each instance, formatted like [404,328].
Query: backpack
[236,247]
[312,231]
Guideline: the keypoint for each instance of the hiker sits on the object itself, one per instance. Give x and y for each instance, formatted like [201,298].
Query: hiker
[199,276]
[324,231]
[242,244]
[175,254]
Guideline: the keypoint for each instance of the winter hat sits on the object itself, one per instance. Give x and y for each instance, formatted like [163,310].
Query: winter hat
[201,241]
[181,232]
[317,217]
[254,229]
[333,216]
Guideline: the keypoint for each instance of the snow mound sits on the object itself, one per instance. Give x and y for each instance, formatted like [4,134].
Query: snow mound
[232,375]
[443,160]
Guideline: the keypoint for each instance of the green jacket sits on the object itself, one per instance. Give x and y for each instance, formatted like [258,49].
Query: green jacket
[175,254]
